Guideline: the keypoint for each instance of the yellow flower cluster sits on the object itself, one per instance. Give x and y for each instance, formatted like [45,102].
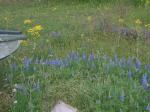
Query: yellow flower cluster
[25,42]
[28,21]
[147,25]
[35,31]
[38,28]
[89,18]
[138,22]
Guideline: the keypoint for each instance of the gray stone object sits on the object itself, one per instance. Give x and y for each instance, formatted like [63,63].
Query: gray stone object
[9,42]
[63,107]
[55,34]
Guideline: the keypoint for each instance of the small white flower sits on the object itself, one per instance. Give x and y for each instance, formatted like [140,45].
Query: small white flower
[15,102]
[15,85]
[14,90]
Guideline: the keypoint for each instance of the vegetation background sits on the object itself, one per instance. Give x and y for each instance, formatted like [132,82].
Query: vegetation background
[75,53]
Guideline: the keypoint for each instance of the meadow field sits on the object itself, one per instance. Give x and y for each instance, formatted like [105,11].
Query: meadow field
[93,55]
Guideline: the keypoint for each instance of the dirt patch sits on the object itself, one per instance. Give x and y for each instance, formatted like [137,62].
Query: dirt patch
[106,25]
[5,102]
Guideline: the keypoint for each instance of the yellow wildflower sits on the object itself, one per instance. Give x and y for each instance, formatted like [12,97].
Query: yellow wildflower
[30,30]
[27,21]
[138,22]
[37,28]
[24,42]
[36,34]
[121,20]
[147,25]
[89,18]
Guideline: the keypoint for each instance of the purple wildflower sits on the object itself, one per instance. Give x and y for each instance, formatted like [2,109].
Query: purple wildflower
[116,59]
[105,57]
[91,57]
[21,88]
[55,62]
[138,64]
[55,34]
[129,61]
[147,66]
[111,62]
[145,82]
[65,62]
[129,74]
[122,62]
[84,56]
[73,56]
[27,63]
[122,96]
[148,108]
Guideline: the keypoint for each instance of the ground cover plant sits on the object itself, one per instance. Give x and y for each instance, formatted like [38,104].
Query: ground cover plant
[74,54]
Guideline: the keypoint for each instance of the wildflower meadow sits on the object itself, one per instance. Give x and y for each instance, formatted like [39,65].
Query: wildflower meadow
[93,55]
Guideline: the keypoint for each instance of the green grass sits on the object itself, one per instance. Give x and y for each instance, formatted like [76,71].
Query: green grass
[90,89]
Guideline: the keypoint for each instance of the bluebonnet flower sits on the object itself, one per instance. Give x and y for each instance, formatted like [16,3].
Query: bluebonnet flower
[36,86]
[74,56]
[129,62]
[111,62]
[129,74]
[138,64]
[55,34]
[147,68]
[105,57]
[84,56]
[122,96]
[21,88]
[27,63]
[122,62]
[91,57]
[55,62]
[116,59]
[65,62]
[148,108]
[145,82]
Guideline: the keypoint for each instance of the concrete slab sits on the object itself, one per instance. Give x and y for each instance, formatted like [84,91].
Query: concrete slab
[62,107]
